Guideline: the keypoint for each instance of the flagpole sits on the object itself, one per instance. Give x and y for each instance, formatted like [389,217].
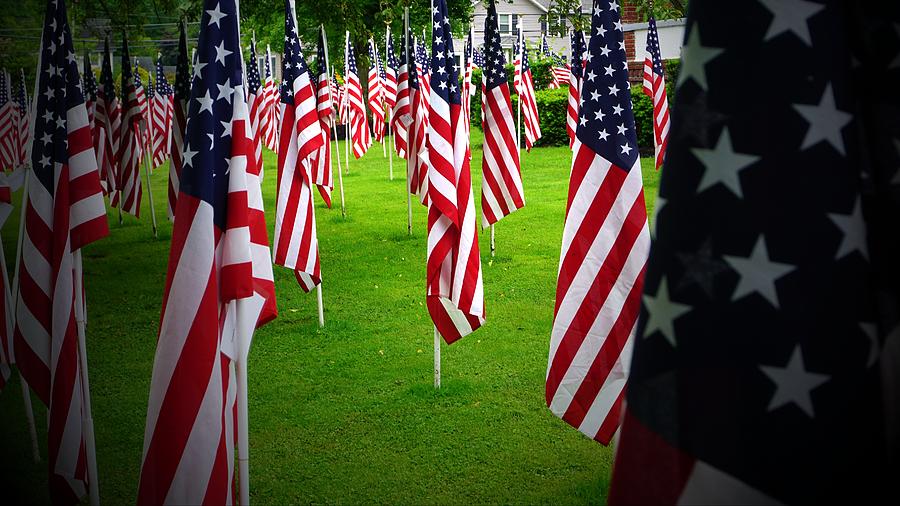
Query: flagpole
[319,303]
[408,147]
[26,391]
[437,358]
[339,171]
[243,415]
[493,244]
[89,442]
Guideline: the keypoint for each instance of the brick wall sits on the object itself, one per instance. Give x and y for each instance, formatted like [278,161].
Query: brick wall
[630,15]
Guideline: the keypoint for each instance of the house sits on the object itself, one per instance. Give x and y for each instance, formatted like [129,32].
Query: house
[531,16]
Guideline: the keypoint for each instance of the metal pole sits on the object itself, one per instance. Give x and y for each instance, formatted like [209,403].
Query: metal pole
[339,171]
[240,367]
[408,147]
[319,301]
[147,164]
[437,359]
[493,245]
[89,442]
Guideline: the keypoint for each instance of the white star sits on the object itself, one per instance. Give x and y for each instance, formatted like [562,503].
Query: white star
[225,91]
[758,273]
[622,45]
[215,16]
[854,229]
[206,103]
[598,115]
[588,56]
[187,156]
[723,165]
[601,31]
[212,143]
[626,149]
[595,96]
[221,53]
[45,161]
[596,10]
[792,16]
[871,332]
[662,313]
[49,93]
[61,122]
[70,57]
[198,67]
[825,121]
[605,50]
[48,116]
[609,70]
[603,135]
[46,138]
[227,126]
[613,89]
[591,76]
[793,383]
[443,85]
[617,110]
[582,121]
[622,129]
[694,58]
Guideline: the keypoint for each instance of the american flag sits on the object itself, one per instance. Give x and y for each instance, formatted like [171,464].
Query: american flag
[525,89]
[296,245]
[604,247]
[769,325]
[89,85]
[455,291]
[501,179]
[24,116]
[255,103]
[389,75]
[546,52]
[64,212]
[143,99]
[181,97]
[468,87]
[9,122]
[267,120]
[478,58]
[320,161]
[108,118]
[417,163]
[213,285]
[402,113]
[339,97]
[356,114]
[655,88]
[376,93]
[423,67]
[131,146]
[162,106]
[576,77]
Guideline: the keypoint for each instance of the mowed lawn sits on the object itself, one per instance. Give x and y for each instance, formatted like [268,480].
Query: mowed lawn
[348,413]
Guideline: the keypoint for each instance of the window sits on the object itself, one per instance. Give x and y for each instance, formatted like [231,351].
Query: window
[553,25]
[507,23]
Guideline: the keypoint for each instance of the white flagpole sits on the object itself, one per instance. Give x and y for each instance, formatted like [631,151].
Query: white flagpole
[88,420]
[319,302]
[240,367]
[26,392]
[147,164]
[339,171]
[493,244]
[437,358]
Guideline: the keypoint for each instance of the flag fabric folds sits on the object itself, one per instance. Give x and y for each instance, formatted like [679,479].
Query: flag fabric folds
[360,136]
[296,245]
[108,128]
[401,116]
[24,116]
[654,86]
[769,323]
[213,286]
[576,77]
[320,160]
[180,99]
[501,183]
[604,247]
[9,124]
[525,88]
[389,76]
[255,103]
[417,162]
[131,146]
[64,211]
[376,93]
[455,292]
[162,108]
[267,115]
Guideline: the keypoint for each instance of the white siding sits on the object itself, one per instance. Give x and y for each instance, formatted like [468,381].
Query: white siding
[671,36]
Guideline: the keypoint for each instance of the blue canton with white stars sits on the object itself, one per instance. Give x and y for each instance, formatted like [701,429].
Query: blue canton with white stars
[20,94]
[422,56]
[578,50]
[391,57]
[321,61]
[606,123]
[444,71]
[653,46]
[182,70]
[217,71]
[478,58]
[253,82]
[493,51]
[58,90]
[106,77]
[293,64]
[4,97]
[412,73]
[162,84]
[89,83]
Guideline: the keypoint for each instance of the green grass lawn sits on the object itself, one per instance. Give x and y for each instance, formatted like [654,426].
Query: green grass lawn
[348,413]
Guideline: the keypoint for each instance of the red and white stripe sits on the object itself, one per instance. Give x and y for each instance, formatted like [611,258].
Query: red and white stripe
[604,251]
[356,113]
[9,122]
[320,160]
[560,75]
[401,115]
[268,122]
[376,94]
[179,123]
[107,131]
[528,103]
[131,150]
[573,107]
[654,86]
[24,125]
[162,108]
[58,223]
[501,178]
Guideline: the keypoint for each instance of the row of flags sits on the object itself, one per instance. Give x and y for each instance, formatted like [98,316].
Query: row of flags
[15,121]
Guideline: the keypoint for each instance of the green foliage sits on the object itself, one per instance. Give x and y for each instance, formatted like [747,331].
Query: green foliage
[672,69]
[642,107]
[551,106]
